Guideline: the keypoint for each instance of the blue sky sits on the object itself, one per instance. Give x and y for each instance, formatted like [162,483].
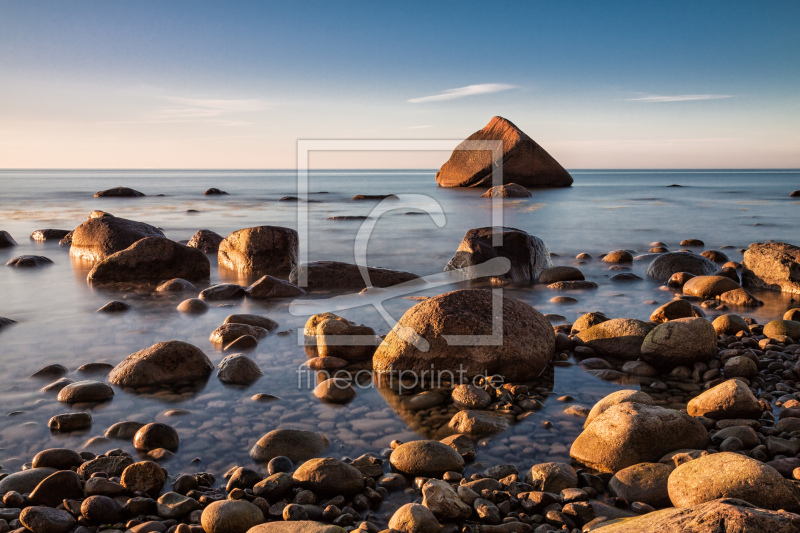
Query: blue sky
[188,84]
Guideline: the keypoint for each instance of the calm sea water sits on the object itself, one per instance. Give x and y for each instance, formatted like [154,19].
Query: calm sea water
[603,211]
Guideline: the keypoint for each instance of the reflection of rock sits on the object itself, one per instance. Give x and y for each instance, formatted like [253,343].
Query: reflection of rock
[428,412]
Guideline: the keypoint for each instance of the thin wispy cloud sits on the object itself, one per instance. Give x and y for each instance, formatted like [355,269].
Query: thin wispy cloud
[418,127]
[656,98]
[208,110]
[461,92]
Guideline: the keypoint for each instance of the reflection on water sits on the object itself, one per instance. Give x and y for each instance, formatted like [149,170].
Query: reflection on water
[218,424]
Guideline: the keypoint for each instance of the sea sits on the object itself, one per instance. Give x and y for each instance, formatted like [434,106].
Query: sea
[417,231]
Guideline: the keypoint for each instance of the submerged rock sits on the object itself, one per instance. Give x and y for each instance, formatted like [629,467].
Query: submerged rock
[338,275]
[672,310]
[528,254]
[176,285]
[527,343]
[206,241]
[164,363]
[103,235]
[773,266]
[119,192]
[338,337]
[222,291]
[152,259]
[115,306]
[193,305]
[260,250]
[560,273]
[213,191]
[524,162]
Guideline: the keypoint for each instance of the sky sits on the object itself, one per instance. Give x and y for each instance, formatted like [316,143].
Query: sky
[195,84]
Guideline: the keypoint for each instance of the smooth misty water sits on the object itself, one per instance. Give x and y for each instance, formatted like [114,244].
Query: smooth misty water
[603,211]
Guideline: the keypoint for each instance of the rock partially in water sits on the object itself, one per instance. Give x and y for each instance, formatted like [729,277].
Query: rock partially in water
[193,306]
[260,250]
[164,363]
[730,475]
[665,265]
[683,341]
[29,261]
[709,287]
[478,424]
[152,259]
[298,445]
[43,235]
[176,285]
[222,291]
[156,435]
[618,337]
[730,399]
[119,192]
[6,240]
[213,191]
[338,275]
[338,337]
[123,430]
[560,273]
[631,433]
[672,310]
[50,371]
[528,341]
[524,161]
[58,458]
[86,391]
[716,256]
[257,321]
[206,241]
[729,324]
[115,306]
[238,369]
[586,321]
[773,266]
[427,458]
[227,333]
[269,287]
[787,328]
[230,516]
[618,256]
[335,390]
[512,190]
[527,253]
[103,235]
[740,297]
[70,422]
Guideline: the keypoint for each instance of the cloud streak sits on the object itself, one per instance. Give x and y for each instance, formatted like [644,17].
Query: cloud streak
[679,98]
[461,92]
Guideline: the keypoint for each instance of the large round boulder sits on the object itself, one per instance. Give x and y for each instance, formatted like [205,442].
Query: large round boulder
[618,337]
[103,235]
[260,250]
[524,162]
[528,254]
[296,444]
[423,338]
[165,363]
[152,259]
[773,266]
[230,516]
[665,265]
[730,475]
[617,397]
[683,341]
[631,433]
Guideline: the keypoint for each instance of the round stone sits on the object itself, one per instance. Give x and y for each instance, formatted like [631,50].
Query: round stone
[427,458]
[296,444]
[329,477]
[86,391]
[145,476]
[414,518]
[156,435]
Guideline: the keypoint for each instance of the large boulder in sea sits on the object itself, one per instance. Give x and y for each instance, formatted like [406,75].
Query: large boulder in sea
[665,265]
[526,338]
[730,475]
[618,337]
[103,235]
[528,254]
[630,433]
[165,363]
[727,514]
[774,266]
[119,192]
[338,275]
[152,259]
[260,250]
[683,341]
[524,162]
